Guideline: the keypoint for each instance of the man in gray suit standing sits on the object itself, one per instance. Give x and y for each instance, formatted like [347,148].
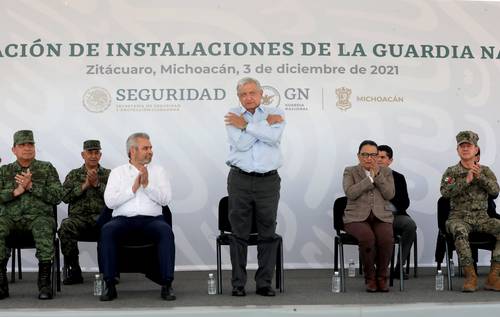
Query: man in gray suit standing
[253,183]
[368,188]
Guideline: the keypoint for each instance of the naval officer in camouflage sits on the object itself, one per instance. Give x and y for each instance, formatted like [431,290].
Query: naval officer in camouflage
[83,191]
[29,189]
[467,186]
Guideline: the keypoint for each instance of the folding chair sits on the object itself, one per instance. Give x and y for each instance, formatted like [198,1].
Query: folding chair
[343,238]
[24,240]
[224,238]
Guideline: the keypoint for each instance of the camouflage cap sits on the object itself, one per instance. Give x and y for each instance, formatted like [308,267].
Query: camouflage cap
[23,136]
[92,145]
[467,137]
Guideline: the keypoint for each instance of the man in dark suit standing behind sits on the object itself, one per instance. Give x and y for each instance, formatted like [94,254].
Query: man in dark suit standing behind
[403,224]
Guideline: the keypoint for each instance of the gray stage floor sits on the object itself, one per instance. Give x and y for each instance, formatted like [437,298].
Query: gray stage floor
[303,287]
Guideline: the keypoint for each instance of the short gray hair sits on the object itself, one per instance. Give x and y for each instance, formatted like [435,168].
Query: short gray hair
[132,140]
[247,80]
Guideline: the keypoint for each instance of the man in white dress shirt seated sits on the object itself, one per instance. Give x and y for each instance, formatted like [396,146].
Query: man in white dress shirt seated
[136,192]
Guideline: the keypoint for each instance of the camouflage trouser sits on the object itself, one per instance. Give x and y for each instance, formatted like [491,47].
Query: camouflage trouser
[42,227]
[73,228]
[461,223]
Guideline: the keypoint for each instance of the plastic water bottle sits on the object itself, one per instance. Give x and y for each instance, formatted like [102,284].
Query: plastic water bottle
[336,282]
[98,283]
[212,290]
[452,268]
[439,281]
[351,272]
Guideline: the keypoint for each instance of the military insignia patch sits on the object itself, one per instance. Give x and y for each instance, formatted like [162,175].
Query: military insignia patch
[449,180]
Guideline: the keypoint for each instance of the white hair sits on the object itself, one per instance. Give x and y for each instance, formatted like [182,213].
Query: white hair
[132,140]
[247,80]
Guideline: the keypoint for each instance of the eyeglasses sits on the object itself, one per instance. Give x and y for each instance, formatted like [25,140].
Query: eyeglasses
[367,155]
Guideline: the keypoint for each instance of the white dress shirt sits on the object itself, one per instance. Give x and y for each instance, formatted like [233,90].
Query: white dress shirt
[257,147]
[369,175]
[145,201]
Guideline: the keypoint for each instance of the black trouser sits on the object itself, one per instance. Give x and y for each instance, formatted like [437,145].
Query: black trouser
[249,194]
[71,229]
[153,227]
[405,227]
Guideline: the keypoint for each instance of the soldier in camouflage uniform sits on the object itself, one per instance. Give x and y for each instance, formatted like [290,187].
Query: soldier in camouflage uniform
[468,185]
[28,191]
[83,192]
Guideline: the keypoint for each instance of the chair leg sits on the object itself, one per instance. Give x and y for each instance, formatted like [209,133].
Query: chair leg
[342,271]
[401,279]
[360,261]
[475,256]
[58,265]
[391,269]
[450,287]
[281,268]
[407,266]
[65,271]
[278,266]
[19,270]
[53,281]
[335,254]
[13,270]
[415,257]
[459,270]
[219,269]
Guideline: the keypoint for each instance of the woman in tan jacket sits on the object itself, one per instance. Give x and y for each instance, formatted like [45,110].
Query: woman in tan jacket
[368,188]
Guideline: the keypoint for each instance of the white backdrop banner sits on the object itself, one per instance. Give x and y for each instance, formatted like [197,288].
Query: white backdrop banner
[410,74]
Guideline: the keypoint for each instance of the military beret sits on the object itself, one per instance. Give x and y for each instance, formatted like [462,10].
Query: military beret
[467,137]
[23,136]
[92,145]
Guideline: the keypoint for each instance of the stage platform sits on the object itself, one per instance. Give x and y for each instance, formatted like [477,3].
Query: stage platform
[307,293]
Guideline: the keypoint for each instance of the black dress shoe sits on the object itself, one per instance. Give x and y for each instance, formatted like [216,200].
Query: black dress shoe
[108,293]
[73,279]
[266,291]
[238,291]
[167,292]
[396,273]
[405,275]
[4,291]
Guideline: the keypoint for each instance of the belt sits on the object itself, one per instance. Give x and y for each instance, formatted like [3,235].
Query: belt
[239,170]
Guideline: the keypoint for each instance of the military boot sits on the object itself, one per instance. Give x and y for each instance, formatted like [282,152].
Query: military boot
[493,281]
[4,284]
[44,282]
[470,282]
[74,271]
